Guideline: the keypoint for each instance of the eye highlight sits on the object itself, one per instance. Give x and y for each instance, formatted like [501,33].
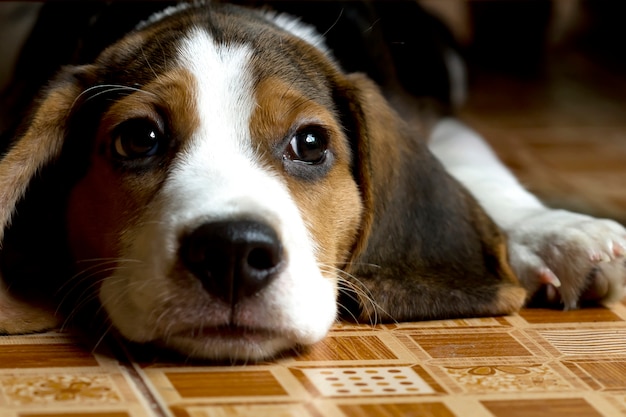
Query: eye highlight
[308,145]
[137,138]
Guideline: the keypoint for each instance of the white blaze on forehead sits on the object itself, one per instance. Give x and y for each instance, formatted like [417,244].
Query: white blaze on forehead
[217,171]
[224,92]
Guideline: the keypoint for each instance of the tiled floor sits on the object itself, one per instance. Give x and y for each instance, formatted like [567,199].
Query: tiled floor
[539,363]
[566,138]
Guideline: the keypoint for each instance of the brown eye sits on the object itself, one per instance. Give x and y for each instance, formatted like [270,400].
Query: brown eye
[308,145]
[136,138]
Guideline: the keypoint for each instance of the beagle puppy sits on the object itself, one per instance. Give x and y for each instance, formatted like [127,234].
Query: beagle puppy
[218,184]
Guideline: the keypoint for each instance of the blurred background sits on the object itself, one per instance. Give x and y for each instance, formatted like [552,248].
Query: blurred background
[547,88]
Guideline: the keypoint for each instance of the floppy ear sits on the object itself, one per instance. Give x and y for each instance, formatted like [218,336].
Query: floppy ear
[40,143]
[426,249]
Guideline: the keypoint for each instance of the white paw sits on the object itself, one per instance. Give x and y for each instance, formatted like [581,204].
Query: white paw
[573,257]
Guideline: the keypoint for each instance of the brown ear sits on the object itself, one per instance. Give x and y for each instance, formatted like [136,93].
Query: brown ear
[426,249]
[40,144]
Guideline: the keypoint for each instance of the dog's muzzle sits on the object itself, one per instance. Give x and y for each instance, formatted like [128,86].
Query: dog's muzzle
[233,259]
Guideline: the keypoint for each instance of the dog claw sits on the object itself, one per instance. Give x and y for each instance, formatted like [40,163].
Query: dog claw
[546,276]
[552,295]
[598,257]
[567,258]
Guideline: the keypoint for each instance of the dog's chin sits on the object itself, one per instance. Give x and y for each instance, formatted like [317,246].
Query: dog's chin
[215,341]
[195,325]
[229,342]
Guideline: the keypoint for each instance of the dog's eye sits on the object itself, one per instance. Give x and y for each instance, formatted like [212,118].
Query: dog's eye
[308,145]
[136,138]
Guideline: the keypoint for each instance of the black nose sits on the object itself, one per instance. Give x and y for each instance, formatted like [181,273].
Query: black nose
[233,259]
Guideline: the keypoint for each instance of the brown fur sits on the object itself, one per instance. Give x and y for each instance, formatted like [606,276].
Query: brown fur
[41,143]
[332,205]
[427,249]
[106,202]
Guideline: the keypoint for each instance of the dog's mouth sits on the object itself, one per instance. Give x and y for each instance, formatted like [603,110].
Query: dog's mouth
[228,341]
[228,332]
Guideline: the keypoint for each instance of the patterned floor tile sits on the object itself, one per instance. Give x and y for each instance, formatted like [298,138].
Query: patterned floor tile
[601,375]
[571,407]
[349,348]
[56,374]
[470,344]
[244,383]
[45,356]
[589,315]
[363,381]
[523,378]
[245,410]
[426,409]
[587,341]
[60,388]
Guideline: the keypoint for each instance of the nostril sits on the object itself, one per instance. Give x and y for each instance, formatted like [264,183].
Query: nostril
[263,258]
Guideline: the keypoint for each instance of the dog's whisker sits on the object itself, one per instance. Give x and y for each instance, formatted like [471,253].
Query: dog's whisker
[331,27]
[82,261]
[108,88]
[88,293]
[362,296]
[371,27]
[163,53]
[85,297]
[111,90]
[101,262]
[87,274]
[351,282]
[145,58]
[100,311]
[77,284]
[368,264]
[69,317]
[116,87]
[351,314]
[160,318]
[105,333]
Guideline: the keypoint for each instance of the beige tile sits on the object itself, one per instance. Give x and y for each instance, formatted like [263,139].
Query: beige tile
[468,345]
[571,407]
[426,409]
[349,348]
[225,384]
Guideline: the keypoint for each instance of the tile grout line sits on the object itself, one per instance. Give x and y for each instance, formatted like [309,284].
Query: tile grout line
[125,361]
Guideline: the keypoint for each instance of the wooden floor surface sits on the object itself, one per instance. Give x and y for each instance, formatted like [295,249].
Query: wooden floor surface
[566,138]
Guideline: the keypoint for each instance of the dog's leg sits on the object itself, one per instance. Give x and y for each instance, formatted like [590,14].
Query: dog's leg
[573,256]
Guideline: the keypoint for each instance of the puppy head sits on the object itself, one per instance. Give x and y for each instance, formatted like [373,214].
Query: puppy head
[226,176]
[218,200]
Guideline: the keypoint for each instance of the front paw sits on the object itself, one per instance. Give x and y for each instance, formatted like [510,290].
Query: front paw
[568,257]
